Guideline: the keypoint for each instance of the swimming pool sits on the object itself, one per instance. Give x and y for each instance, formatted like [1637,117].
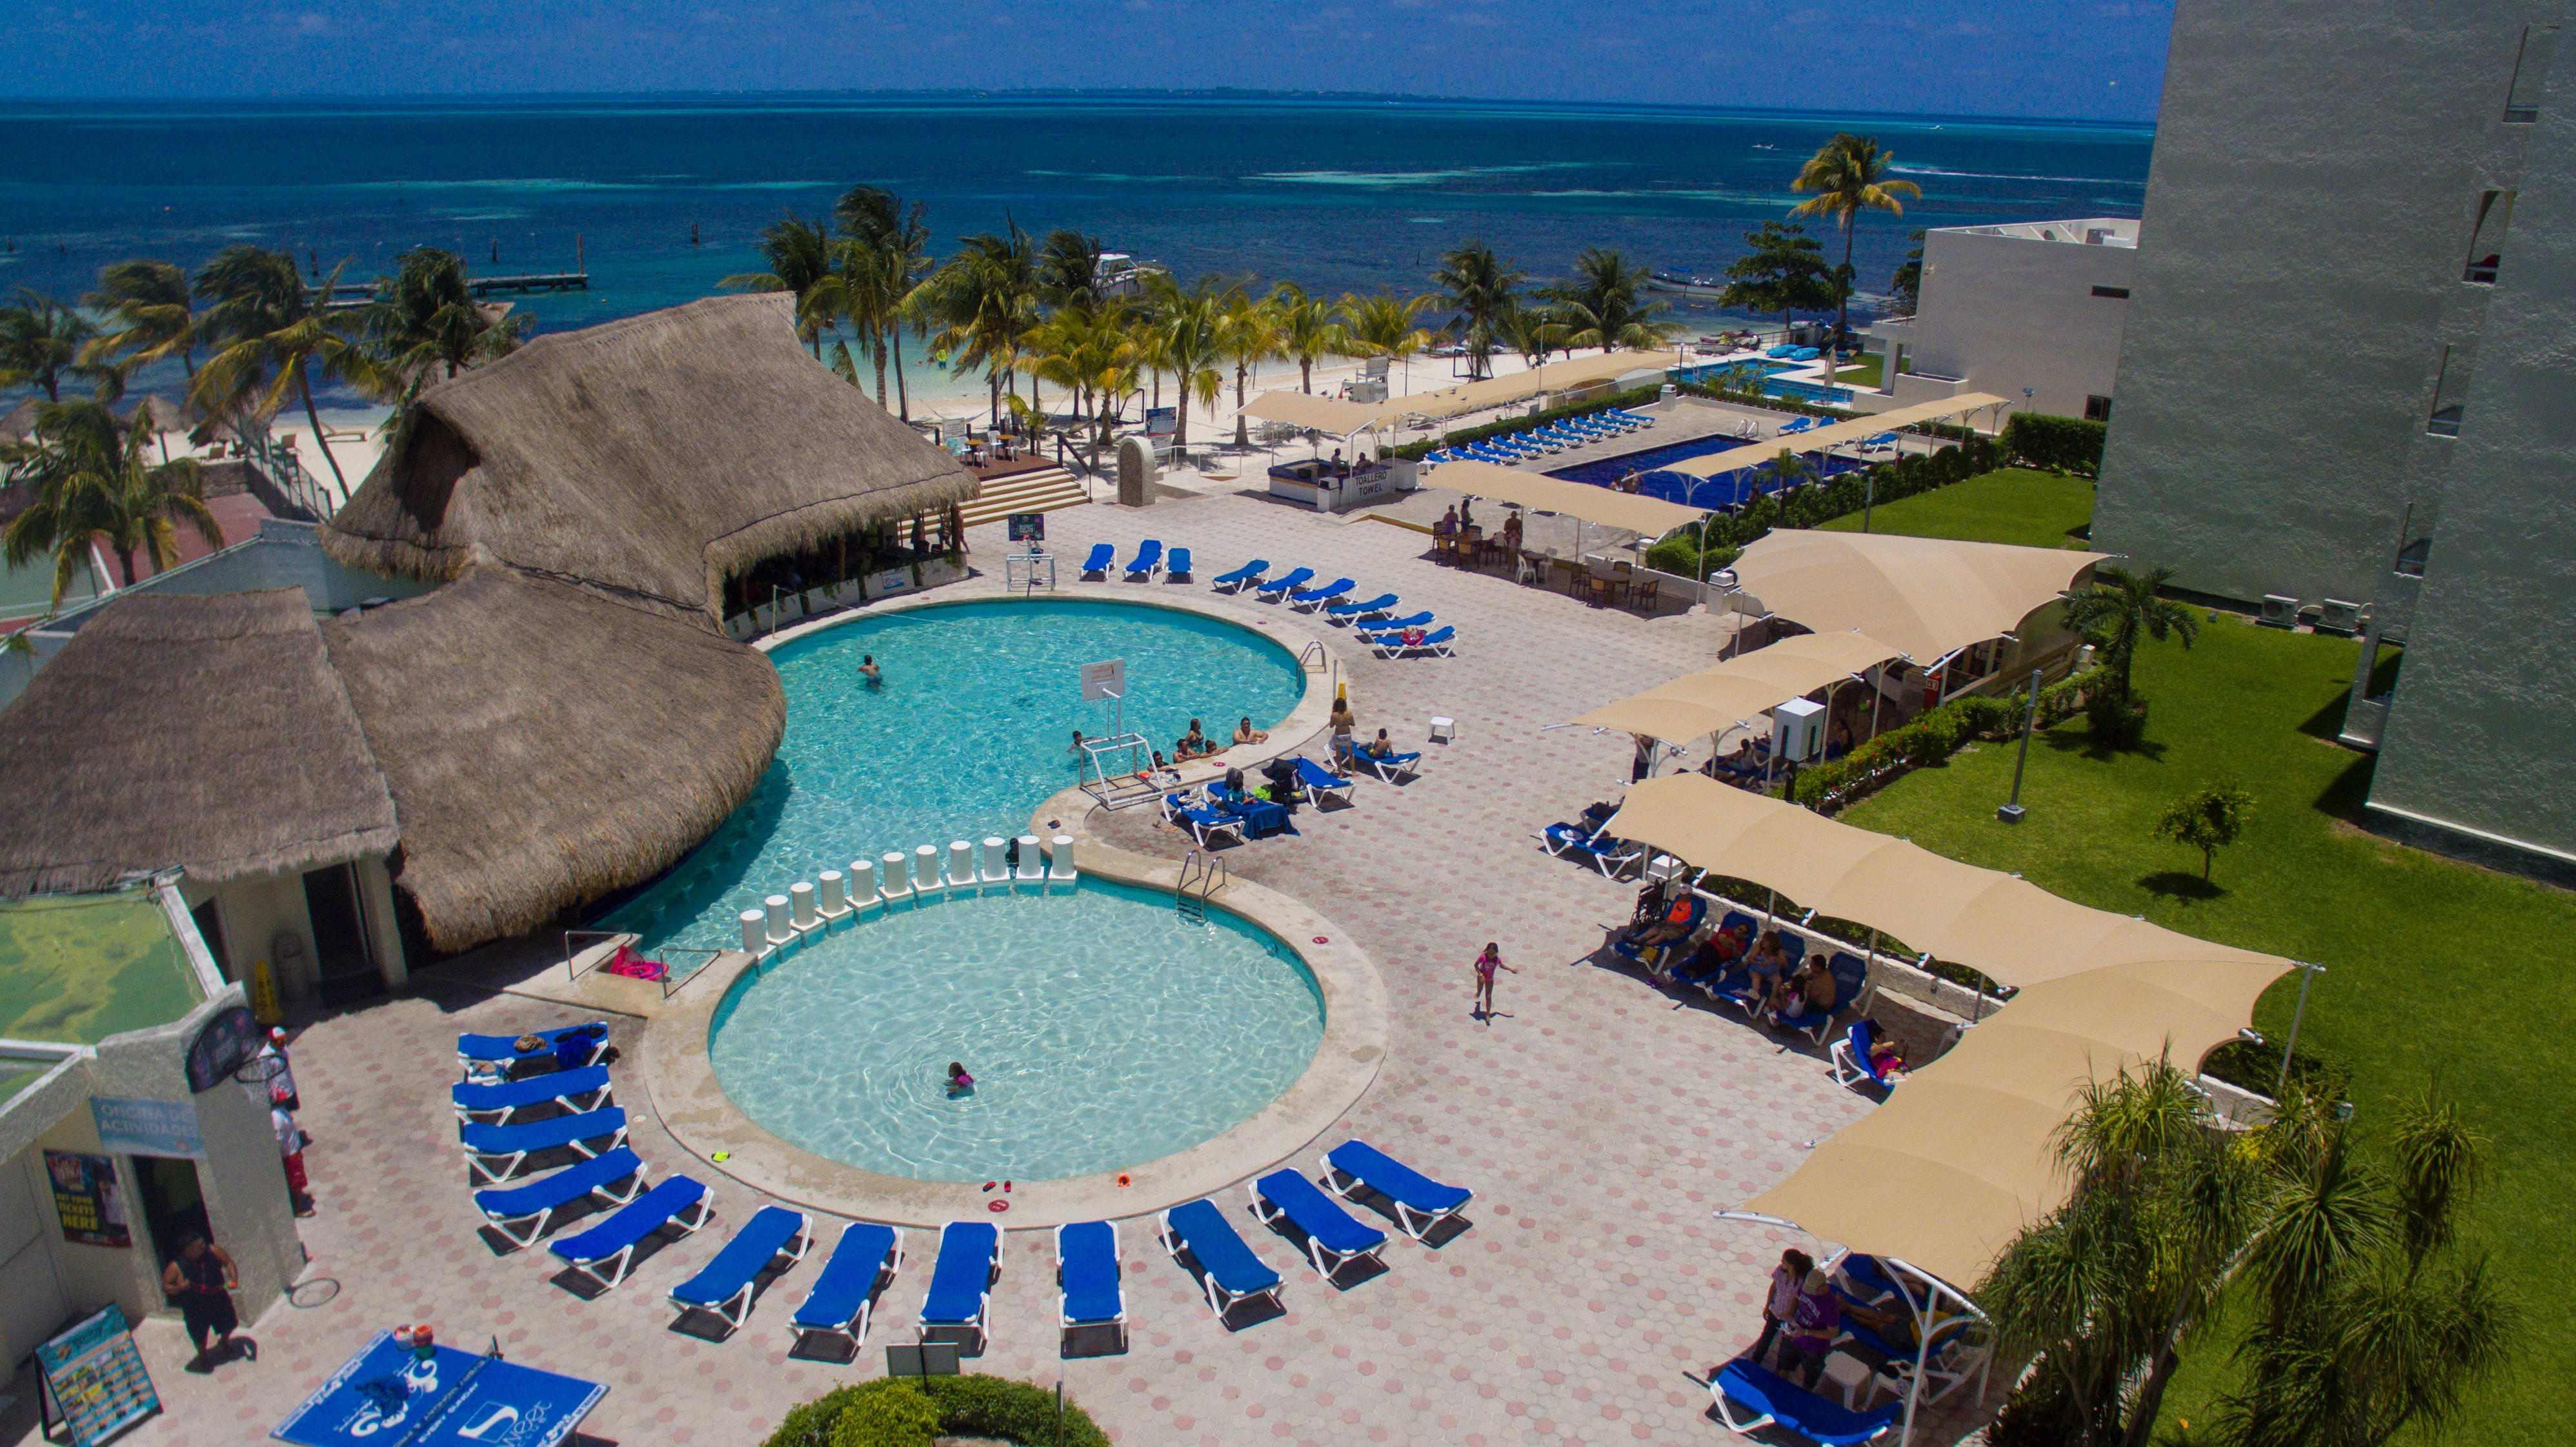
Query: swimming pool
[968,735]
[1103,1030]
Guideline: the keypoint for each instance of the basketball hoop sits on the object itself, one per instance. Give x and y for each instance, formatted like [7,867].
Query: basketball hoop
[260,1069]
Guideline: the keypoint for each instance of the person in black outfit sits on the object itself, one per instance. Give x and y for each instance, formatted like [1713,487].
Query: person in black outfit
[200,1282]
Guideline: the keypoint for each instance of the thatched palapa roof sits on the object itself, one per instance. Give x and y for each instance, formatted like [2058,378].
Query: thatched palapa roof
[550,744]
[651,455]
[208,733]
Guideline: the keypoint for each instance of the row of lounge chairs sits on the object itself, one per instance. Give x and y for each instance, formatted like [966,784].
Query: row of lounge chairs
[1373,619]
[868,1256]
[1150,560]
[1543,441]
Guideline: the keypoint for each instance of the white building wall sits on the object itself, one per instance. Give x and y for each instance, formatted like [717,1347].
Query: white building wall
[2003,312]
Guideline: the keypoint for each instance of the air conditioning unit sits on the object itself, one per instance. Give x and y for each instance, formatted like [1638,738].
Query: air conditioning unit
[2280,612]
[2339,618]
[1798,730]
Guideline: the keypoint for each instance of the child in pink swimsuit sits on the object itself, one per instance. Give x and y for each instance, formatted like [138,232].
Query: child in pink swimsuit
[1486,963]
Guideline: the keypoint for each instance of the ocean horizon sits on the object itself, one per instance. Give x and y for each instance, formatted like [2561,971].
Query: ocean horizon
[662,196]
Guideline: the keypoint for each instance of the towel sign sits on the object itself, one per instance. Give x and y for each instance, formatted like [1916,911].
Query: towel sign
[1104,680]
[387,1395]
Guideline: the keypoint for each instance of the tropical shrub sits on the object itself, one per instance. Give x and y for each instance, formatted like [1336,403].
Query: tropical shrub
[2207,819]
[2056,444]
[1932,737]
[904,1412]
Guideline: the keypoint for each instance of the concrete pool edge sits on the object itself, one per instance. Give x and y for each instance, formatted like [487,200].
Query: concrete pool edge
[692,1105]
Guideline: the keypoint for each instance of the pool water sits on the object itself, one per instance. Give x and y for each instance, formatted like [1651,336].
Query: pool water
[970,732]
[1103,1030]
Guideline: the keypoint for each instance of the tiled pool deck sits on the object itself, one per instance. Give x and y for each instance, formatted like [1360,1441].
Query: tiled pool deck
[1599,1125]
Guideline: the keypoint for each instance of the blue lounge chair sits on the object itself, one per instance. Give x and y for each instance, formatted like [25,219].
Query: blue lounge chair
[1397,625]
[1851,981]
[1333,1238]
[1284,584]
[961,1281]
[489,1055]
[1087,1278]
[1613,857]
[1176,565]
[1241,578]
[844,1295]
[1751,1396]
[1391,768]
[1392,645]
[1783,350]
[574,1090]
[722,1288]
[536,1203]
[1345,612]
[609,1247]
[1226,1270]
[1204,822]
[1147,562]
[1420,1202]
[513,1144]
[1796,425]
[1851,1058]
[1100,560]
[1310,599]
[1320,783]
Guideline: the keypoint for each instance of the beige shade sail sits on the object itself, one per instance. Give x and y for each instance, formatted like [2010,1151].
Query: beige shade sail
[1672,720]
[1520,386]
[1322,414]
[1737,691]
[1832,434]
[1649,515]
[1929,597]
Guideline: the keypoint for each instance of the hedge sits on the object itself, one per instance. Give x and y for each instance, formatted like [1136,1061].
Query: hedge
[904,1412]
[2056,444]
[1728,534]
[1933,737]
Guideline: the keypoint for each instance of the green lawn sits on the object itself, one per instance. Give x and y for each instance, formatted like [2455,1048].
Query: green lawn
[2011,505]
[1863,373]
[2435,970]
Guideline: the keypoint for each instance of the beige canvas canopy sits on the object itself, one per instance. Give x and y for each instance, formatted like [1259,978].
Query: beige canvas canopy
[1929,597]
[1321,414]
[1832,434]
[1737,691]
[1649,515]
[1519,386]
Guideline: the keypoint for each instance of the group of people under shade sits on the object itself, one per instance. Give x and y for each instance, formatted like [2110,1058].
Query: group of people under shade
[1666,932]
[1803,1315]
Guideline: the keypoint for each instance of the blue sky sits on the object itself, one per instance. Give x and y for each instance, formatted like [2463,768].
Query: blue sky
[2077,58]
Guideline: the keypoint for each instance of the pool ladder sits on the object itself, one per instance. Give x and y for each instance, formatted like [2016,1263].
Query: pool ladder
[1201,876]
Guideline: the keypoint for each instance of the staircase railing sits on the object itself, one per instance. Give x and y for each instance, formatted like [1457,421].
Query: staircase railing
[1201,875]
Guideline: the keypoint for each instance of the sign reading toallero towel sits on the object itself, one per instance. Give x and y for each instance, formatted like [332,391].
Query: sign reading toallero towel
[95,1384]
[229,1040]
[132,1127]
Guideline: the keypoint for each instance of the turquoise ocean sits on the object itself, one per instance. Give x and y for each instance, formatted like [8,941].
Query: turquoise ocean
[661,196]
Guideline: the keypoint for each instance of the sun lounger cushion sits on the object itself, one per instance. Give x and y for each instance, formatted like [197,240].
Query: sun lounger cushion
[476,1097]
[633,1222]
[1285,582]
[504,1049]
[1318,1215]
[1245,574]
[1317,780]
[1398,1181]
[1149,553]
[848,1279]
[1102,555]
[1088,1268]
[1221,1253]
[1178,564]
[539,1135]
[560,1189]
[962,1275]
[1830,1423]
[771,1230]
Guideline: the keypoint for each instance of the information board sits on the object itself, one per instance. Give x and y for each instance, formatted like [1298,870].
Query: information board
[130,1126]
[86,1199]
[95,1384]
[386,1396]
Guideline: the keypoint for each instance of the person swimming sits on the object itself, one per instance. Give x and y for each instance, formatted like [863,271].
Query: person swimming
[868,670]
[959,1082]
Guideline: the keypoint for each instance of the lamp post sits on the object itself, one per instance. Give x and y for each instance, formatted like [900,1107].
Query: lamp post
[2011,812]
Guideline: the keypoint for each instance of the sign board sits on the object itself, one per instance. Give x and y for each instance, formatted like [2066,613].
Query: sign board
[922,1359]
[95,1383]
[87,1200]
[1105,680]
[1162,421]
[227,1042]
[386,1395]
[892,580]
[1028,527]
[132,1127]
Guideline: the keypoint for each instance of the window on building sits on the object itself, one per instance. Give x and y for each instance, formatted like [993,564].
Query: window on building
[2450,387]
[2115,293]
[2530,72]
[2097,409]
[2486,238]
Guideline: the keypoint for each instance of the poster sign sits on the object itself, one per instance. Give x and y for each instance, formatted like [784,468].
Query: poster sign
[387,1395]
[1028,527]
[892,580]
[133,1127]
[95,1384]
[1104,680]
[222,1047]
[86,1199]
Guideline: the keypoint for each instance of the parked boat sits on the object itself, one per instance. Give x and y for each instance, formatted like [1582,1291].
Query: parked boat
[1685,283]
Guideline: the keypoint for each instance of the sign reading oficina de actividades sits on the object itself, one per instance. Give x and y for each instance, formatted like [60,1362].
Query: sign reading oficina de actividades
[129,1126]
[86,1199]
[95,1383]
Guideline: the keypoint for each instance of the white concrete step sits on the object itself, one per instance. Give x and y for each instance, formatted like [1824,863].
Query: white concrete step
[1043,491]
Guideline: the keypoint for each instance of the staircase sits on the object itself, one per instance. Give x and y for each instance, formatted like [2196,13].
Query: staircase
[1041,491]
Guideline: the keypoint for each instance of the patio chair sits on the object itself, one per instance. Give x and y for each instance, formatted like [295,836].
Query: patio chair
[1241,578]
[1176,566]
[1088,1289]
[574,1090]
[1201,1241]
[961,1281]
[844,1295]
[1319,783]
[723,1287]
[1286,583]
[1390,768]
[522,1213]
[1751,1396]
[1147,562]
[1420,1202]
[1098,562]
[1307,600]
[1393,644]
[513,1144]
[606,1252]
[1205,823]
[1333,1238]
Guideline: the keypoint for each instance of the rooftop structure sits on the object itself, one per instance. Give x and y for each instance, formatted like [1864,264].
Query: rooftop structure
[2030,311]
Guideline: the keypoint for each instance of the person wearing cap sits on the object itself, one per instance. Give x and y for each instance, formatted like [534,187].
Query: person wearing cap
[290,1150]
[281,1083]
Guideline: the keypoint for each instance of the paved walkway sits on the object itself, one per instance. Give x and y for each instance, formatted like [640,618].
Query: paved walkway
[1599,1124]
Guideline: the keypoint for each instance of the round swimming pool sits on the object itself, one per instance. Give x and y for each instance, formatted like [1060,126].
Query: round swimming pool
[969,733]
[1103,1030]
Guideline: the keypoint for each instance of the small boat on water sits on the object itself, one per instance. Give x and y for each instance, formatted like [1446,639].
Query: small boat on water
[1685,283]
[1123,275]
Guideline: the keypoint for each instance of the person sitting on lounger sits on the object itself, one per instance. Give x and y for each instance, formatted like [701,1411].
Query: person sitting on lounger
[1380,747]
[1804,996]
[1769,965]
[1716,954]
[868,670]
[1885,1060]
[1676,915]
[1245,733]
[959,1082]
[1192,745]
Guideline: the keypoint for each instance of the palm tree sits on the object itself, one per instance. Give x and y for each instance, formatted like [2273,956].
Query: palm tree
[1069,269]
[799,254]
[1383,326]
[1091,351]
[41,343]
[272,333]
[1308,330]
[2123,609]
[94,484]
[426,319]
[1848,175]
[1483,290]
[1533,332]
[1252,336]
[1600,307]
[154,318]
[986,299]
[1189,330]
[898,238]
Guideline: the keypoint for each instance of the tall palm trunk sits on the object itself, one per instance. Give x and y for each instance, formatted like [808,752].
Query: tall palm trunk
[1842,316]
[880,349]
[125,564]
[304,384]
[902,399]
[1306,374]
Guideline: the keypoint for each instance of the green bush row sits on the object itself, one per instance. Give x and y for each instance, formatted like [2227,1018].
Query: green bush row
[1634,396]
[902,1412]
[2056,444]
[1934,737]
[1728,534]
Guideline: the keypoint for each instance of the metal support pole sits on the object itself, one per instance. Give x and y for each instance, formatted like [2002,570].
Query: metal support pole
[1869,495]
[2298,1013]
[2011,812]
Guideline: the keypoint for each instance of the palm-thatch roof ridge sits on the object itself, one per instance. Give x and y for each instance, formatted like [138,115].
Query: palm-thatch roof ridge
[649,456]
[209,733]
[548,744]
